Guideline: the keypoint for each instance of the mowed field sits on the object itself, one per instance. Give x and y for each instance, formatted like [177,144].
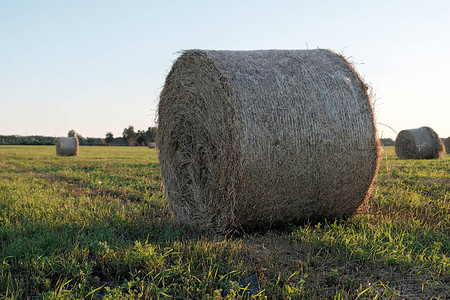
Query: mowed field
[98,226]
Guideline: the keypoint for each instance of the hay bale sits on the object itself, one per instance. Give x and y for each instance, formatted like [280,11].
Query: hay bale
[255,139]
[67,146]
[447,145]
[420,143]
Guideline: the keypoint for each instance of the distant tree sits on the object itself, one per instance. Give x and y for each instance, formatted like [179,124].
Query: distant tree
[71,133]
[387,142]
[141,141]
[109,138]
[150,134]
[141,138]
[119,141]
[129,136]
[27,140]
[81,139]
[91,141]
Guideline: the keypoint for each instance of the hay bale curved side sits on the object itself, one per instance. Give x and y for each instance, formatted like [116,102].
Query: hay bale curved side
[420,143]
[254,139]
[447,145]
[67,146]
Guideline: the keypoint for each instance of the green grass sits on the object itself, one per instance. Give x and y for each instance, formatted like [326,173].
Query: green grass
[98,226]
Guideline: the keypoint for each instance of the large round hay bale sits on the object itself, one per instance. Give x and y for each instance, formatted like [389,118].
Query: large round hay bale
[67,146]
[255,139]
[420,143]
[447,145]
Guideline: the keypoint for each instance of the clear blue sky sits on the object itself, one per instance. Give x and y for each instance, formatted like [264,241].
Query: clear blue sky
[98,66]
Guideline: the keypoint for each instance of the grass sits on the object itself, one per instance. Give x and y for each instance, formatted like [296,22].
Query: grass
[97,226]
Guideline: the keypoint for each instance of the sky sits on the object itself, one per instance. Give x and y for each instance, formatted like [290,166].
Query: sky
[99,66]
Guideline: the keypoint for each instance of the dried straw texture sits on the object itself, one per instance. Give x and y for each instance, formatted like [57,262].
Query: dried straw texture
[447,145]
[255,139]
[420,143]
[67,146]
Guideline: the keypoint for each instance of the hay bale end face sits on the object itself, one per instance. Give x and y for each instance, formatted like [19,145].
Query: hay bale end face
[67,146]
[447,145]
[256,139]
[420,143]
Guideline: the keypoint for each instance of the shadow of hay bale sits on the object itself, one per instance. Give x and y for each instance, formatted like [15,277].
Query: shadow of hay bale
[255,139]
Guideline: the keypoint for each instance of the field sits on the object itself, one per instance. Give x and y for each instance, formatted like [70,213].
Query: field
[98,226]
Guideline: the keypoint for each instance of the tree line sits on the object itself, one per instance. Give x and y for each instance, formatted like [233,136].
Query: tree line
[129,137]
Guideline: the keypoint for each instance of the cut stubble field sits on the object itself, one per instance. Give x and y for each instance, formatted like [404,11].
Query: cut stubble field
[98,226]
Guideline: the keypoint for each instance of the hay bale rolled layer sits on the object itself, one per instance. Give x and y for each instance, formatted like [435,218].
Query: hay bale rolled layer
[420,143]
[255,139]
[67,146]
[447,145]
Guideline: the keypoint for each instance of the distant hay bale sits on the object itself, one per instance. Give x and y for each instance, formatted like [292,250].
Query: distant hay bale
[447,145]
[256,139]
[420,143]
[67,146]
